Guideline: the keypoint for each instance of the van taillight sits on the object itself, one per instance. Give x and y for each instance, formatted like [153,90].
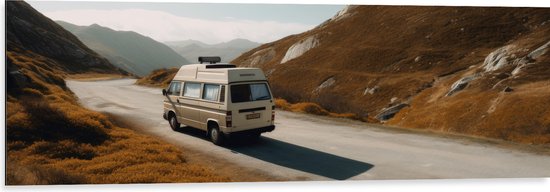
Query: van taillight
[228,119]
[272,113]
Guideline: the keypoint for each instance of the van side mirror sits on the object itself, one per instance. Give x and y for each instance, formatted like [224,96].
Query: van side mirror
[164,92]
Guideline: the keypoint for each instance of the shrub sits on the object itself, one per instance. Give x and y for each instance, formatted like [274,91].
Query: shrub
[311,108]
[282,104]
[42,121]
[62,149]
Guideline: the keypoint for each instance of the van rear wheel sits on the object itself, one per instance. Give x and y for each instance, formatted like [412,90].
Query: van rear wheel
[216,136]
[174,123]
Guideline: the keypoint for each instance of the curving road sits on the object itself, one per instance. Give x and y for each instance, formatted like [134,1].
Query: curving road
[306,147]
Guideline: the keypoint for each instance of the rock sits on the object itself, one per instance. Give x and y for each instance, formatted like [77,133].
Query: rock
[262,56]
[461,84]
[539,51]
[327,83]
[389,112]
[508,89]
[299,48]
[417,58]
[269,72]
[498,58]
[393,99]
[370,90]
[15,79]
[502,75]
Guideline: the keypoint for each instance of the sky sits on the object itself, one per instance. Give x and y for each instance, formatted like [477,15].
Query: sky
[207,22]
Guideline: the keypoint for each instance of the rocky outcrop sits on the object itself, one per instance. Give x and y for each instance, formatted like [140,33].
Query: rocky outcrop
[300,48]
[530,58]
[388,113]
[499,58]
[371,90]
[461,84]
[327,83]
[539,51]
[262,56]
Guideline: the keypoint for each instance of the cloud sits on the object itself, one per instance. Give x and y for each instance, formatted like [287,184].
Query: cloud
[163,26]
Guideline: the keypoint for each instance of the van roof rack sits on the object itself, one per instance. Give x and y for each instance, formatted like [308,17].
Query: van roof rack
[210,60]
[218,66]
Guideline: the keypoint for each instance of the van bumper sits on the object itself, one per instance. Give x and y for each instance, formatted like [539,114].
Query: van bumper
[256,130]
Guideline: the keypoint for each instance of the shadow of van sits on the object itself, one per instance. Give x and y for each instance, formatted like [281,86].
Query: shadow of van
[291,156]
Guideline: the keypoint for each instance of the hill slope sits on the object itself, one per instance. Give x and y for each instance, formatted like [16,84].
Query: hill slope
[192,49]
[466,70]
[29,30]
[128,50]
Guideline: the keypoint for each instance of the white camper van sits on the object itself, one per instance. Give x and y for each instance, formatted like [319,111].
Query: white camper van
[221,99]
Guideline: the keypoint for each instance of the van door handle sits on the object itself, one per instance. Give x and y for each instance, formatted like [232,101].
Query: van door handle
[178,100]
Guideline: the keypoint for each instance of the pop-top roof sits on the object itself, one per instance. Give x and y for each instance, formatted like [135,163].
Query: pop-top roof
[216,73]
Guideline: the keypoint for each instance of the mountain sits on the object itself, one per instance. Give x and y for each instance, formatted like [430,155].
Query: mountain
[192,49]
[128,50]
[468,70]
[185,43]
[29,32]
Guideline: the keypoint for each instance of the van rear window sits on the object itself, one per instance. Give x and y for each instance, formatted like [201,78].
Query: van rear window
[249,92]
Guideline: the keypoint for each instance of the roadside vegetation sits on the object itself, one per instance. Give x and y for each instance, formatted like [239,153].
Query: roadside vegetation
[51,139]
[316,109]
[158,78]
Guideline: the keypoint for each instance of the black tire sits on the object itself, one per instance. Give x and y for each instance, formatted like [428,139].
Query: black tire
[173,121]
[216,136]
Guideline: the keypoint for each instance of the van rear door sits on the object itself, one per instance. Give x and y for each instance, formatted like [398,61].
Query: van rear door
[252,105]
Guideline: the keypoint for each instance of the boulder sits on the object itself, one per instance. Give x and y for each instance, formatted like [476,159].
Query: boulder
[461,84]
[388,113]
[327,83]
[299,48]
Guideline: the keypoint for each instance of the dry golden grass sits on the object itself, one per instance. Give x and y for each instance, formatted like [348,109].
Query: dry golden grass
[316,109]
[53,140]
[95,76]
[158,78]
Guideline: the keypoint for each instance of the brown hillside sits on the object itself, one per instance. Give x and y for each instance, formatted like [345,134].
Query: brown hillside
[369,60]
[158,78]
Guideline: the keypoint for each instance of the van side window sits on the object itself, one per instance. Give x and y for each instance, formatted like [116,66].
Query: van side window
[175,88]
[249,92]
[211,92]
[222,94]
[192,89]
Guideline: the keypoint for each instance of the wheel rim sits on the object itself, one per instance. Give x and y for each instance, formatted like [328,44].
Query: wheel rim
[214,134]
[173,122]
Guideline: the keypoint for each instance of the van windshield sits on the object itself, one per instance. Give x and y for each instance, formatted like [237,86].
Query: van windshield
[249,92]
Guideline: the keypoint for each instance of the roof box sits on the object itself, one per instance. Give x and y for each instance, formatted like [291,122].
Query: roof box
[210,60]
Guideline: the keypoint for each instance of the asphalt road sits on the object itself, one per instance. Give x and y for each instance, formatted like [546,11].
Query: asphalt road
[307,147]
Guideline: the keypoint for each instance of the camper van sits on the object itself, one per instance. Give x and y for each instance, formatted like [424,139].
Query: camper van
[221,99]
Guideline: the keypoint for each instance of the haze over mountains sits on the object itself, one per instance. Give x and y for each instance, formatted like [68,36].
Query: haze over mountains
[467,70]
[192,49]
[128,50]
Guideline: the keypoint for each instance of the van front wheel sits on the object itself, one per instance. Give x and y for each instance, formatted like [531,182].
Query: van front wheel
[174,123]
[216,136]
